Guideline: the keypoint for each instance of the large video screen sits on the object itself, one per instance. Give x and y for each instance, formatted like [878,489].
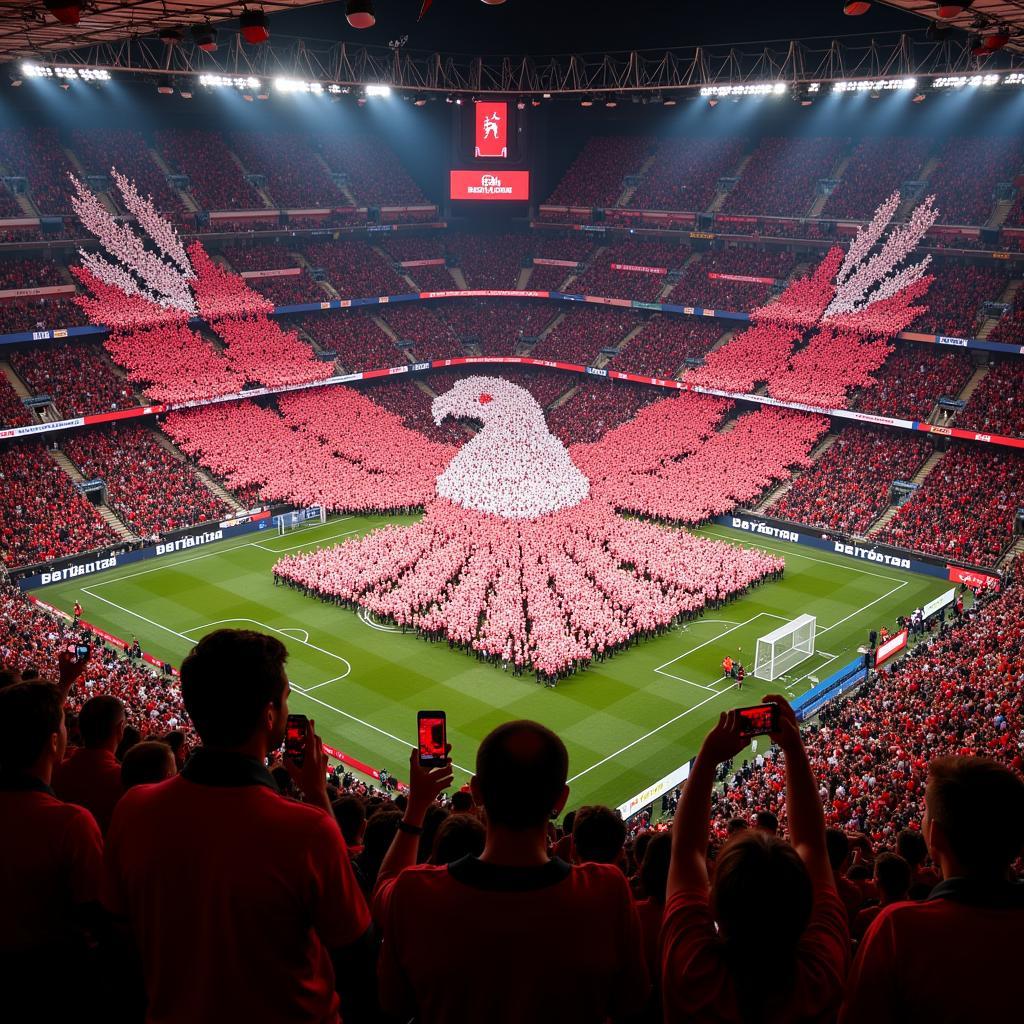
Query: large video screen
[475,185]
[491,129]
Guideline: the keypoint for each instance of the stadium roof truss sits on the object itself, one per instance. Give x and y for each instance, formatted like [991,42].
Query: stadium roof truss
[980,15]
[341,64]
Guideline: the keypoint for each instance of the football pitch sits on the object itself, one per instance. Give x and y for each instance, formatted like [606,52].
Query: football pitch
[627,721]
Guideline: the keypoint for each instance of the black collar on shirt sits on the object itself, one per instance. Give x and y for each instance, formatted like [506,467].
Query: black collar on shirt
[975,892]
[19,782]
[474,872]
[226,768]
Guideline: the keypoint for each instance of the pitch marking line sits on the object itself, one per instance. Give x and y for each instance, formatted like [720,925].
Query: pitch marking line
[366,618]
[304,544]
[305,635]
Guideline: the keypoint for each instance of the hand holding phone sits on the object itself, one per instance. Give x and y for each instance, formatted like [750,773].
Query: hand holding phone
[432,736]
[295,739]
[759,720]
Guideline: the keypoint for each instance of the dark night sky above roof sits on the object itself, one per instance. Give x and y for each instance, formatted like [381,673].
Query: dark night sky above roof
[577,26]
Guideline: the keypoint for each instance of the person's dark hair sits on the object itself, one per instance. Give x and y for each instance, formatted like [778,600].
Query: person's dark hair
[380,830]
[175,739]
[654,867]
[892,876]
[128,740]
[568,822]
[228,680]
[30,713]
[350,814]
[521,768]
[837,843]
[760,878]
[910,845]
[98,720]
[979,805]
[767,822]
[434,817]
[734,825]
[283,780]
[858,873]
[459,835]
[9,677]
[149,761]
[640,845]
[401,801]
[598,834]
[462,802]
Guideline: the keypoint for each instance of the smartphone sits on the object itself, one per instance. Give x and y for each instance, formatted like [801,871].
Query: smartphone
[82,651]
[758,720]
[295,739]
[432,731]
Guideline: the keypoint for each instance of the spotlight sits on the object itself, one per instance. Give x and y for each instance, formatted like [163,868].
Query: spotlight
[171,36]
[378,90]
[947,11]
[611,103]
[854,7]
[493,3]
[996,39]
[67,12]
[254,26]
[420,101]
[669,101]
[185,92]
[586,102]
[359,13]
[205,37]
[164,86]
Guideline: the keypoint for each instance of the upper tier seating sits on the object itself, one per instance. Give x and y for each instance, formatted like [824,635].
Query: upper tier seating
[595,177]
[216,179]
[685,173]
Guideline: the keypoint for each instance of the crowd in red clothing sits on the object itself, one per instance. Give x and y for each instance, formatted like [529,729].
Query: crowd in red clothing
[781,176]
[74,375]
[292,290]
[953,304]
[37,314]
[697,287]
[490,261]
[42,515]
[601,278]
[215,178]
[584,331]
[259,255]
[684,174]
[877,166]
[848,487]
[595,177]
[1010,328]
[149,490]
[997,405]
[969,168]
[295,178]
[37,154]
[376,177]
[496,325]
[595,407]
[354,269]
[356,338]
[913,379]
[664,342]
[965,508]
[12,410]
[30,272]
[408,400]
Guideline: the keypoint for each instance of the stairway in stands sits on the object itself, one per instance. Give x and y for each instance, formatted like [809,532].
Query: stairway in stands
[106,513]
[918,478]
[777,492]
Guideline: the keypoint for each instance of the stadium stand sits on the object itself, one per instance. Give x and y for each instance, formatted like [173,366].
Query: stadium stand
[953,303]
[781,176]
[216,179]
[1009,328]
[848,488]
[259,255]
[38,155]
[74,375]
[596,407]
[355,269]
[42,515]
[497,325]
[595,177]
[376,177]
[602,278]
[997,406]
[876,167]
[697,286]
[295,176]
[965,508]
[147,487]
[36,314]
[358,341]
[967,173]
[584,331]
[663,343]
[685,172]
[913,379]
[432,336]
[490,261]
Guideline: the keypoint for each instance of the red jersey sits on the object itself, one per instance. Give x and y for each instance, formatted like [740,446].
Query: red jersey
[91,779]
[534,935]
[952,958]
[696,982]
[234,894]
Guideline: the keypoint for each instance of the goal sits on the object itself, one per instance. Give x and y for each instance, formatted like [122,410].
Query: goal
[782,648]
[299,517]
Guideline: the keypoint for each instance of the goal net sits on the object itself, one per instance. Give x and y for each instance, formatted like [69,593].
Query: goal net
[300,517]
[782,648]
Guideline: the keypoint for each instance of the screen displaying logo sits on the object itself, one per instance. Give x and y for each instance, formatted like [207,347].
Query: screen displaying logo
[491,129]
[490,185]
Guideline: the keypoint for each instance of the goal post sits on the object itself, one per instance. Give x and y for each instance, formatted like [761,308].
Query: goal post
[784,647]
[287,521]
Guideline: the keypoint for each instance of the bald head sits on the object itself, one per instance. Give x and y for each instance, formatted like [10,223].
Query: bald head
[521,768]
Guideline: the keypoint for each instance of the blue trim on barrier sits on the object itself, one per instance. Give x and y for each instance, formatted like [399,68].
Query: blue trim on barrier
[49,334]
[759,528]
[93,564]
[834,686]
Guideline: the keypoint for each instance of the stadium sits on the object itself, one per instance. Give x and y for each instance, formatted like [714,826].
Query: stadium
[649,388]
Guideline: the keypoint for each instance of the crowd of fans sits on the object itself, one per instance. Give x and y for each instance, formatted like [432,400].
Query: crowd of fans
[596,407]
[74,375]
[495,326]
[259,255]
[848,488]
[685,172]
[428,330]
[1010,328]
[583,331]
[37,154]
[997,405]
[954,300]
[215,178]
[30,272]
[295,177]
[966,507]
[38,314]
[781,176]
[595,177]
[411,401]
[490,261]
[376,177]
[13,412]
[914,378]
[150,490]
[602,277]
[293,290]
[968,171]
[356,338]
[355,269]
[876,167]
[42,515]
[664,343]
[697,286]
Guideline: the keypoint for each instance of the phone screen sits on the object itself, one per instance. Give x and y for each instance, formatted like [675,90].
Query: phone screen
[295,739]
[82,652]
[433,739]
[758,720]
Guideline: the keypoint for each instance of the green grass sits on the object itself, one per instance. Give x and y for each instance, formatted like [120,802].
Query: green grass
[627,721]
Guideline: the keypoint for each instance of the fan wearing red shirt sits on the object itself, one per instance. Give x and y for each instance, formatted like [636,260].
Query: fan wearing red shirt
[91,776]
[51,862]
[954,956]
[535,927]
[769,940]
[237,898]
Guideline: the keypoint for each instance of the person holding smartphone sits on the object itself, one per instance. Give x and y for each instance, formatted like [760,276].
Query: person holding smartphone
[768,940]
